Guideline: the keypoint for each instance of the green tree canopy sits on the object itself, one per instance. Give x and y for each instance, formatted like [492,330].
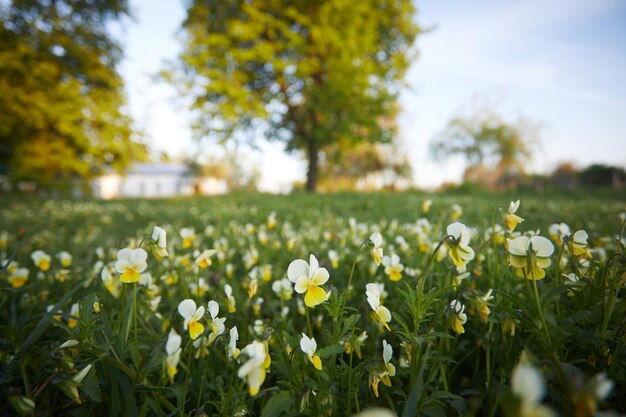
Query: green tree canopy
[309,73]
[494,149]
[61,97]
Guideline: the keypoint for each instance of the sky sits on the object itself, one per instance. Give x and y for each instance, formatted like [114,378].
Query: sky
[560,64]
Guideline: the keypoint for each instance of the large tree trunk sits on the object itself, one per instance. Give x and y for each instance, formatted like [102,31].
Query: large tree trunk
[312,173]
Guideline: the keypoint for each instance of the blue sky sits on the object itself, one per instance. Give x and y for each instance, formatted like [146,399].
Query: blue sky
[561,64]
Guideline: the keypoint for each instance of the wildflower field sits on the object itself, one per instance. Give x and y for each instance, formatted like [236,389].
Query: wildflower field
[412,304]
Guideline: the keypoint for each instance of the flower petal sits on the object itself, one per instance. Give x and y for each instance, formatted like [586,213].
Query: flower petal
[314,296]
[302,284]
[320,276]
[542,246]
[296,269]
[187,308]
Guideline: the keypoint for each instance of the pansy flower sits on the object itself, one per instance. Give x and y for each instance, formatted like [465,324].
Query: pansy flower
[307,278]
[192,315]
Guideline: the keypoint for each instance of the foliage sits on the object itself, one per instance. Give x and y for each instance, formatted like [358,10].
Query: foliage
[347,167]
[232,167]
[306,73]
[496,151]
[66,319]
[61,98]
[598,174]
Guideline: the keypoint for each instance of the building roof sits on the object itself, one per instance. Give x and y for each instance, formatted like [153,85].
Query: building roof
[158,169]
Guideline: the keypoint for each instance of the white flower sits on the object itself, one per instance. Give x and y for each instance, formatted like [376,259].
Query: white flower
[309,346]
[160,237]
[381,313]
[307,278]
[191,314]
[460,318]
[253,370]
[283,289]
[233,352]
[393,267]
[387,355]
[172,349]
[527,384]
[459,252]
[520,251]
[131,263]
[377,251]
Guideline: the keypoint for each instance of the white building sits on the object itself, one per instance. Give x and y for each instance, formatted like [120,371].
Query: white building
[155,180]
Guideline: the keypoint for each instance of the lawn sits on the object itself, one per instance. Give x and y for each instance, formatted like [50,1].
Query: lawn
[443,310]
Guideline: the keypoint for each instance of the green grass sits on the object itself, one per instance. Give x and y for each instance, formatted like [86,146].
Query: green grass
[570,334]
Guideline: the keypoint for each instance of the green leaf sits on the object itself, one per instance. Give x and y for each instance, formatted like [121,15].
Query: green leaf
[329,351]
[39,330]
[277,405]
[91,386]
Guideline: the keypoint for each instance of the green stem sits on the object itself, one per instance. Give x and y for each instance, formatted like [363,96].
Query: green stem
[308,321]
[493,241]
[422,278]
[338,327]
[135,318]
[187,375]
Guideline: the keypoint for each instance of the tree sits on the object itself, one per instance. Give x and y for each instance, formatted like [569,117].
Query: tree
[60,94]
[350,167]
[309,73]
[603,175]
[496,151]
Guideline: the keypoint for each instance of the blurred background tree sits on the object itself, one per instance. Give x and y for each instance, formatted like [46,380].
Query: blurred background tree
[61,97]
[365,166]
[308,73]
[232,167]
[496,152]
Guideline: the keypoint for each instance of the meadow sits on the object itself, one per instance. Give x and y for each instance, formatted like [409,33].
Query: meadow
[408,304]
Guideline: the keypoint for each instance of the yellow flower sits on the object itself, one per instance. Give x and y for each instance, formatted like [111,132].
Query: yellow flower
[131,263]
[456,212]
[579,242]
[18,277]
[356,344]
[283,289]
[333,256]
[159,236]
[384,375]
[426,206]
[528,386]
[528,256]
[217,324]
[377,252]
[483,307]
[271,221]
[204,259]
[41,260]
[381,313]
[254,369]
[307,278]
[109,282]
[65,258]
[309,346]
[199,288]
[230,300]
[459,252]
[557,231]
[173,349]
[510,218]
[74,313]
[188,234]
[233,352]
[459,317]
[187,309]
[393,267]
